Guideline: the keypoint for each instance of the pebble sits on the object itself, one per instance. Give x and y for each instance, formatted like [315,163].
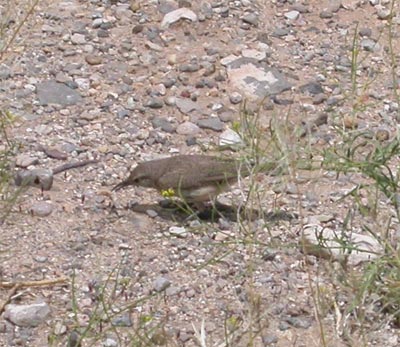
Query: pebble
[52,92]
[27,315]
[41,209]
[212,123]
[187,128]
[25,160]
[235,98]
[154,103]
[174,16]
[178,231]
[163,124]
[251,18]
[160,284]
[93,59]
[78,39]
[292,15]
[230,137]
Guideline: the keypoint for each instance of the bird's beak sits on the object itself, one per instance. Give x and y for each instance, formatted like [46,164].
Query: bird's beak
[121,185]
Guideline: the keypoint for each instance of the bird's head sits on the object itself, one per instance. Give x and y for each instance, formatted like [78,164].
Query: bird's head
[140,176]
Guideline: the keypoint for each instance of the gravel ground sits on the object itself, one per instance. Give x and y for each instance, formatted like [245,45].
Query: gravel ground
[122,82]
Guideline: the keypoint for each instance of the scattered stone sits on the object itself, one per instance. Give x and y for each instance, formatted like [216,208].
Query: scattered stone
[235,98]
[51,92]
[78,39]
[41,209]
[384,13]
[110,342]
[25,160]
[92,59]
[163,124]
[230,137]
[123,320]
[187,128]
[27,315]
[212,123]
[326,14]
[174,16]
[160,284]
[299,322]
[312,88]
[138,28]
[154,103]
[178,231]
[254,80]
[340,245]
[292,15]
[369,45]
[251,18]
[254,54]
[186,106]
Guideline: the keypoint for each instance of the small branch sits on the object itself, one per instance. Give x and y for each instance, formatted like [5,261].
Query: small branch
[41,283]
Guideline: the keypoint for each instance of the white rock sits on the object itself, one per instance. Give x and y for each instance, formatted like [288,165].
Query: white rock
[174,16]
[230,137]
[328,243]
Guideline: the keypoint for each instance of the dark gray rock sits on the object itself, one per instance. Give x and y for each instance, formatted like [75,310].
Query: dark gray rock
[211,123]
[51,92]
[163,123]
[160,284]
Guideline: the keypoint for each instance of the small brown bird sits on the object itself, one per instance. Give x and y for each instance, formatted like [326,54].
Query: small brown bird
[194,178]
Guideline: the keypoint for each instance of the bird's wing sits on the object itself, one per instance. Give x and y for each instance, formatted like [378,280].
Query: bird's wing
[220,172]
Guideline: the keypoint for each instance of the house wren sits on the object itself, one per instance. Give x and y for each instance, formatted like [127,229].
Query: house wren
[194,178]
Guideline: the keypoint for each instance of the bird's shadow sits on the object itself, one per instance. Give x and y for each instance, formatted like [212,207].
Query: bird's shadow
[181,212]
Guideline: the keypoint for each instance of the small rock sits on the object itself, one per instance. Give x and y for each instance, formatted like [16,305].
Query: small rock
[292,15]
[60,329]
[299,322]
[174,16]
[25,160]
[235,98]
[187,128]
[384,13]
[78,39]
[311,88]
[160,284]
[51,92]
[178,231]
[93,59]
[211,123]
[137,29]
[327,243]
[41,209]
[186,106]
[369,45]
[154,103]
[251,18]
[123,320]
[27,315]
[109,342]
[325,14]
[164,124]
[254,54]
[230,137]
